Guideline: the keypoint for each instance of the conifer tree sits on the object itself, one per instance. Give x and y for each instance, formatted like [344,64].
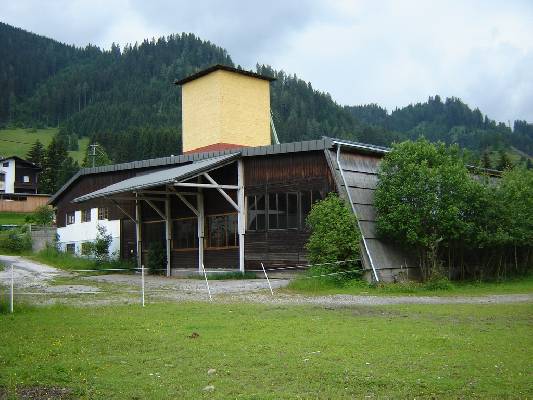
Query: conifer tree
[36,153]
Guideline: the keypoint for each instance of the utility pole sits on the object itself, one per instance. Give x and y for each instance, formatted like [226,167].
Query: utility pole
[93,152]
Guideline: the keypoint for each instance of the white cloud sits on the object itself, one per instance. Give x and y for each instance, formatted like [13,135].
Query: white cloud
[388,52]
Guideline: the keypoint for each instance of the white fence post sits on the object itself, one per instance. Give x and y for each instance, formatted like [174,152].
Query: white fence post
[142,283]
[207,283]
[268,280]
[11,294]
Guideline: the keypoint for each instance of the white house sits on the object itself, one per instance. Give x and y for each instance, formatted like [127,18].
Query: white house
[81,227]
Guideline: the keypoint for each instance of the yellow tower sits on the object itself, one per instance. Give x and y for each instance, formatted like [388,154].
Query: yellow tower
[224,107]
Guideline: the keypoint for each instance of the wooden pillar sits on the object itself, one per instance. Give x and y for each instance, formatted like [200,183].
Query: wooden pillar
[241,218]
[168,233]
[201,223]
[138,231]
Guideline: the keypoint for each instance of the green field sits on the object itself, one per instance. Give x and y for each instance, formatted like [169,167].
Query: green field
[321,287]
[17,142]
[11,218]
[164,351]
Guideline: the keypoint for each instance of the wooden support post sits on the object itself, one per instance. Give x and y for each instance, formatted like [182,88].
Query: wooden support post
[241,212]
[168,233]
[201,222]
[138,231]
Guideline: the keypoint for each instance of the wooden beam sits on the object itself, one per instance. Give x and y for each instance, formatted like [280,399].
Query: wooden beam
[241,216]
[201,217]
[185,201]
[138,232]
[156,209]
[121,209]
[205,185]
[168,234]
[222,192]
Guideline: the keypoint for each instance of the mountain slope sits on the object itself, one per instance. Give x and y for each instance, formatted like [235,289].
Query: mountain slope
[125,100]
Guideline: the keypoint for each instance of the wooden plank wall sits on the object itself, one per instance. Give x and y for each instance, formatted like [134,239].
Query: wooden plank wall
[286,172]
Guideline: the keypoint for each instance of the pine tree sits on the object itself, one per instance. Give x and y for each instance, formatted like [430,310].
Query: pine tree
[504,161]
[485,160]
[58,166]
[36,153]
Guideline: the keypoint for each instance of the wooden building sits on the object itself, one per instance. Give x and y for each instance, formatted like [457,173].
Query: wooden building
[231,208]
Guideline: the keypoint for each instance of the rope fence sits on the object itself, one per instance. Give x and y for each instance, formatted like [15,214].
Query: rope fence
[142,284]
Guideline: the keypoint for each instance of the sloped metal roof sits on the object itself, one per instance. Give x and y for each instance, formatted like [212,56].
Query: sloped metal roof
[158,178]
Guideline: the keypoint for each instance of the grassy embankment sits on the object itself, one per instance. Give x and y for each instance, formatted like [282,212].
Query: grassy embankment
[12,218]
[165,351]
[17,142]
[317,286]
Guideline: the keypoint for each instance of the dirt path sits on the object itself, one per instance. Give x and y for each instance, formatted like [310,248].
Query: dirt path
[30,276]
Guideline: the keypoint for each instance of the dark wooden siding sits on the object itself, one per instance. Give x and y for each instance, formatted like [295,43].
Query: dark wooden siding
[87,184]
[295,172]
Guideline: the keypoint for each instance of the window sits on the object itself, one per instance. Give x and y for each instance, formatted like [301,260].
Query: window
[86,215]
[256,213]
[71,248]
[71,218]
[283,211]
[26,179]
[103,213]
[307,199]
[6,164]
[222,231]
[186,233]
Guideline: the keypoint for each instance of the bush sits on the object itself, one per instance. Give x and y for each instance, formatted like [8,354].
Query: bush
[334,237]
[43,215]
[100,246]
[157,258]
[16,240]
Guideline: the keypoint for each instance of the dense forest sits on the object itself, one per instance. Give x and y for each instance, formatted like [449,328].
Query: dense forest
[124,100]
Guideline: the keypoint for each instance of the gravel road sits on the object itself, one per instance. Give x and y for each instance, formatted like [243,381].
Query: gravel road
[30,276]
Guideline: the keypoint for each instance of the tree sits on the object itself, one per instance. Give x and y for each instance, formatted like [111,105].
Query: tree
[504,161]
[423,195]
[334,234]
[43,215]
[36,154]
[58,166]
[485,160]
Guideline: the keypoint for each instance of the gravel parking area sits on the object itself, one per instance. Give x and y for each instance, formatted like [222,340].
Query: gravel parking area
[38,279]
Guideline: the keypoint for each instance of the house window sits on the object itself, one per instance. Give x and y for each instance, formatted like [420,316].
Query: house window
[222,231]
[26,179]
[283,211]
[71,218]
[86,215]
[185,232]
[71,248]
[6,164]
[103,213]
[256,213]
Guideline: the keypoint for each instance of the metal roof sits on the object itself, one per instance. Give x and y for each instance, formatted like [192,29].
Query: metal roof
[218,67]
[282,148]
[158,178]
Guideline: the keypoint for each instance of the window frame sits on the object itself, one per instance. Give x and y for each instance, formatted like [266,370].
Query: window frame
[70,218]
[175,241]
[86,215]
[103,213]
[258,212]
[207,231]
[70,248]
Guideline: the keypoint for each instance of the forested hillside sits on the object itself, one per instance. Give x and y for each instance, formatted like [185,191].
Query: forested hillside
[124,100]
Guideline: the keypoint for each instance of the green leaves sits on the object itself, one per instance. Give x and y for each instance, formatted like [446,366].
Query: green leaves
[334,233]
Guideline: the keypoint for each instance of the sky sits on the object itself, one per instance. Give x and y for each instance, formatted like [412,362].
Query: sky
[389,52]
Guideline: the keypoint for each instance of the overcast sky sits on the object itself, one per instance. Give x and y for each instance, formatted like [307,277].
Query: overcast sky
[388,52]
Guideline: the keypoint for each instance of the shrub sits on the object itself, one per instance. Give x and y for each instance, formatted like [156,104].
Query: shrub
[100,246]
[16,240]
[334,237]
[157,258]
[43,215]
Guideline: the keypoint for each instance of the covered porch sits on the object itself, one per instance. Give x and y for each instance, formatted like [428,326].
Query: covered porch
[196,212]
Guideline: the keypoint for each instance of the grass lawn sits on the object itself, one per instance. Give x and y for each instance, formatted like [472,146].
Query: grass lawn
[17,142]
[165,351]
[321,287]
[11,218]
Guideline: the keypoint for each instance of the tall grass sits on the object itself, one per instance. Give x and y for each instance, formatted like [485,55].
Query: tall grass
[58,259]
